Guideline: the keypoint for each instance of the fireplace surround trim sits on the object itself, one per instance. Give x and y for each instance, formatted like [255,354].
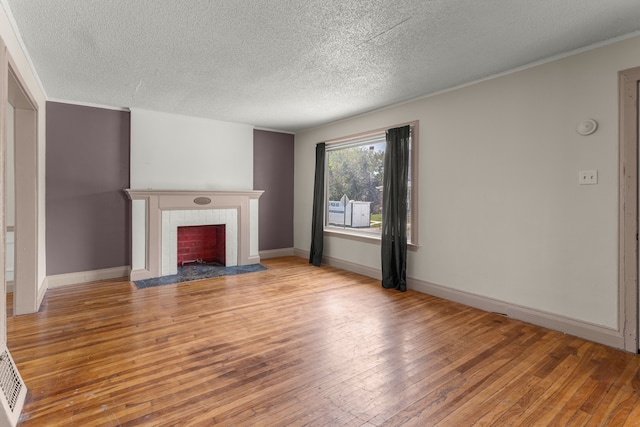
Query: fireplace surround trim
[148,206]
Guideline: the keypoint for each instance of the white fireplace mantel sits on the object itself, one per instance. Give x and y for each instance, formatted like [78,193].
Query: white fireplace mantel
[153,211]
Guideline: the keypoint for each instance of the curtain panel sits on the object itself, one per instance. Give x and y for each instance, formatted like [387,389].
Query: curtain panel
[394,209]
[317,219]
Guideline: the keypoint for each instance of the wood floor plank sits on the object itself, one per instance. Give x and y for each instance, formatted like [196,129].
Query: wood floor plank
[621,388]
[513,379]
[298,345]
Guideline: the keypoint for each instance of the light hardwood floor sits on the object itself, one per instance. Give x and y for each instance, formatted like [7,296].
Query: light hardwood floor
[300,345]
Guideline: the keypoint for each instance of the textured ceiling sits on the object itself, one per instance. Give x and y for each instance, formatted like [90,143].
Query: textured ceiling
[292,64]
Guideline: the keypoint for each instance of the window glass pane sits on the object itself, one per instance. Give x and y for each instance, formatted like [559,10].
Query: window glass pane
[354,185]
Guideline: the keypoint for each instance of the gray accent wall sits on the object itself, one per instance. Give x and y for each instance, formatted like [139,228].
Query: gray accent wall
[273,172]
[88,225]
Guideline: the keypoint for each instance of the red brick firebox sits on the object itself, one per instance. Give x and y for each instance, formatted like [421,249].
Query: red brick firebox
[201,242]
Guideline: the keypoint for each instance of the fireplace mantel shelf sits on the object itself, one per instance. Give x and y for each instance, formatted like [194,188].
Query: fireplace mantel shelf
[136,194]
[153,210]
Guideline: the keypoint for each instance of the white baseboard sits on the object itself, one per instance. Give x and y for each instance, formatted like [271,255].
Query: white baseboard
[11,286]
[364,270]
[58,280]
[567,325]
[300,253]
[139,275]
[276,253]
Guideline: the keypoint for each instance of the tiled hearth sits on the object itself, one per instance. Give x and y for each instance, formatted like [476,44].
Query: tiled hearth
[157,214]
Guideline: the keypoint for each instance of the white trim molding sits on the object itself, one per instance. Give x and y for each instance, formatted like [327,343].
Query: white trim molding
[578,328]
[374,273]
[277,253]
[628,207]
[58,280]
[42,290]
[589,331]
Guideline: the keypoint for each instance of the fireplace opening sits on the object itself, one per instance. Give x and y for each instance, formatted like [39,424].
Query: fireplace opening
[201,244]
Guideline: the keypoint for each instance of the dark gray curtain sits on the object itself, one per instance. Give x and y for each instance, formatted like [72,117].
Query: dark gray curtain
[317,219]
[394,209]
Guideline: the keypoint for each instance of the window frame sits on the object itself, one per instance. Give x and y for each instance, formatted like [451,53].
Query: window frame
[363,236]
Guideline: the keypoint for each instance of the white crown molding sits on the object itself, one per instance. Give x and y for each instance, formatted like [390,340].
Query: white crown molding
[16,32]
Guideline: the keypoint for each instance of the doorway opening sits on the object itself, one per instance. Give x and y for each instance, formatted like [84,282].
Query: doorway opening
[25,195]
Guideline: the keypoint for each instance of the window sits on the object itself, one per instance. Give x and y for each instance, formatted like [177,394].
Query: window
[354,171]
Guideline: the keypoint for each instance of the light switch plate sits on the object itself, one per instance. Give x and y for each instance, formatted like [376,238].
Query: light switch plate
[588,177]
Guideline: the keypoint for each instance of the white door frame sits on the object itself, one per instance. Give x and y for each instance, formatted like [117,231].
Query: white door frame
[26,289]
[628,207]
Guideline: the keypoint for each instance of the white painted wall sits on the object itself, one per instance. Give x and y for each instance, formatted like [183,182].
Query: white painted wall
[501,211]
[175,152]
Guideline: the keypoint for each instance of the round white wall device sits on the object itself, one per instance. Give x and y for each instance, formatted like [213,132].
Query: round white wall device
[587,127]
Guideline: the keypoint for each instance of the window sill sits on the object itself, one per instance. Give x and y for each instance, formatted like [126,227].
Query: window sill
[362,237]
